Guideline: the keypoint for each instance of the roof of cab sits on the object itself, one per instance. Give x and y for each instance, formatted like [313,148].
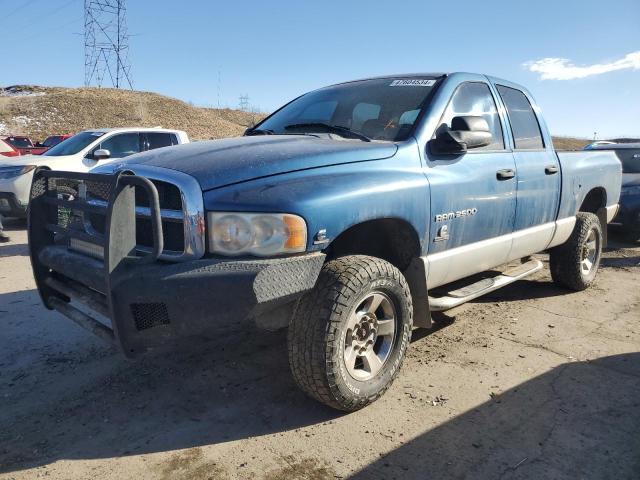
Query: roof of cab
[401,75]
[437,75]
[132,129]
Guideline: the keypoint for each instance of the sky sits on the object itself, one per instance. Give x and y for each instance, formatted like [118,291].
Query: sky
[580,59]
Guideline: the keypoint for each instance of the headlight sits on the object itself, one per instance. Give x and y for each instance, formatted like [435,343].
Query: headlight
[11,172]
[635,190]
[260,234]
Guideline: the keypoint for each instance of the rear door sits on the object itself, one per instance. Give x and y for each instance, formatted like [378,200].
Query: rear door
[538,167]
[473,199]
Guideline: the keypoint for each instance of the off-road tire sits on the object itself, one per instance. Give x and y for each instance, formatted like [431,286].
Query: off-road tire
[317,331]
[565,261]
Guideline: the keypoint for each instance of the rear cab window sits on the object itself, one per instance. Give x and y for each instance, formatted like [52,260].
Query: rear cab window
[524,123]
[159,140]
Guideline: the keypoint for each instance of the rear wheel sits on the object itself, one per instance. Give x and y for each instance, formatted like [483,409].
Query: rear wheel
[575,263]
[348,336]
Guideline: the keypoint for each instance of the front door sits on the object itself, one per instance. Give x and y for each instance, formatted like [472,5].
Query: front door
[473,196]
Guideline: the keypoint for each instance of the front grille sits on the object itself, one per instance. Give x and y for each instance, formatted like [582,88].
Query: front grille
[168,194]
[76,205]
[172,233]
[170,202]
[149,315]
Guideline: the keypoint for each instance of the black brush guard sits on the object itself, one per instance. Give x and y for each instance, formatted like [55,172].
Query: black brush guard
[82,236]
[58,217]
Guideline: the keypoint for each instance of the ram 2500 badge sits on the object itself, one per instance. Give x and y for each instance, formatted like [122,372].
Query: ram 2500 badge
[345,216]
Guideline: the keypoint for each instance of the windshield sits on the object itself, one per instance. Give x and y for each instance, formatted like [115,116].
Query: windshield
[20,142]
[51,141]
[74,144]
[381,109]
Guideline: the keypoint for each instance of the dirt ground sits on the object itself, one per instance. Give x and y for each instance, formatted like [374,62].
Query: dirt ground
[530,382]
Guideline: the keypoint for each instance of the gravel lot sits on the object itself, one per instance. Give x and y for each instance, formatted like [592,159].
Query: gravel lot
[530,382]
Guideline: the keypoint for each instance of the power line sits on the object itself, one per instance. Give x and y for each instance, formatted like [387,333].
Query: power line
[106,43]
[16,10]
[46,16]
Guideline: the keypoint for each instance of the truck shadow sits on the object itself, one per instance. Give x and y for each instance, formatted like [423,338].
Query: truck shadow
[13,249]
[579,420]
[82,400]
[14,224]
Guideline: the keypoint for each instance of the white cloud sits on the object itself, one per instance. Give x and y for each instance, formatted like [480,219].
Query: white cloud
[563,69]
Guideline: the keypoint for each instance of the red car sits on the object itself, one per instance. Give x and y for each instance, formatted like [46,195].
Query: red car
[53,140]
[8,150]
[24,145]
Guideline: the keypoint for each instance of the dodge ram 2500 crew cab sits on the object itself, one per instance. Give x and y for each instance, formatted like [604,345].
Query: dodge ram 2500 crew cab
[346,215]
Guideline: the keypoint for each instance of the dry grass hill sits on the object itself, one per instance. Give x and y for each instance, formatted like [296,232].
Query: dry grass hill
[41,111]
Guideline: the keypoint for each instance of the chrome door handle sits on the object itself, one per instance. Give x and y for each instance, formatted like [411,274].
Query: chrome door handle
[550,170]
[505,174]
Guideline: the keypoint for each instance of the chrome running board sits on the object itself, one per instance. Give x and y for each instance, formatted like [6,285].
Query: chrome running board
[462,295]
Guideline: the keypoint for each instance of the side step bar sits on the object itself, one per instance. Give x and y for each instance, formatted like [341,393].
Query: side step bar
[482,287]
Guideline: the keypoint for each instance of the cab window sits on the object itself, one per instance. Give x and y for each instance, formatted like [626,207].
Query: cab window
[474,98]
[524,124]
[122,145]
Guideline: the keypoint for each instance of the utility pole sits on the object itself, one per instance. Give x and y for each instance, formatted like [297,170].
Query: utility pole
[244,102]
[219,86]
[106,43]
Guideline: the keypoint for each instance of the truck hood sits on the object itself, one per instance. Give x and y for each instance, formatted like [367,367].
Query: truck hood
[222,162]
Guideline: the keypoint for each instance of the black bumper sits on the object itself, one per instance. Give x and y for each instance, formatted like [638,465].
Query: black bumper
[11,207]
[135,300]
[152,305]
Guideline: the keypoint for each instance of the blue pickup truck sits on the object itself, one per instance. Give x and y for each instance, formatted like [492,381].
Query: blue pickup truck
[345,216]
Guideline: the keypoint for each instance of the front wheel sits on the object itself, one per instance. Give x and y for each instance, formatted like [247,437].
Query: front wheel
[575,263]
[348,336]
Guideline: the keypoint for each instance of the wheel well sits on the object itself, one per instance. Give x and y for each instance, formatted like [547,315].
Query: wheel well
[594,201]
[391,239]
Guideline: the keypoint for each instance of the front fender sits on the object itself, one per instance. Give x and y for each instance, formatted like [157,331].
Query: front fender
[338,197]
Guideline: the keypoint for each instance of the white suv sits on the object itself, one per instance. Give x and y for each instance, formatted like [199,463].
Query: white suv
[79,153]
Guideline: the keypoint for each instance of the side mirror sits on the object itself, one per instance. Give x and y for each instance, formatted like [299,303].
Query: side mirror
[101,154]
[466,132]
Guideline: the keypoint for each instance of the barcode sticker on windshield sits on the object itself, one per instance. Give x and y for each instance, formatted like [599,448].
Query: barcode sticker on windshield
[413,82]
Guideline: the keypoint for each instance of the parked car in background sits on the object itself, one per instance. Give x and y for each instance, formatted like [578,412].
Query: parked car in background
[598,143]
[79,153]
[346,216]
[24,145]
[628,218]
[53,140]
[8,150]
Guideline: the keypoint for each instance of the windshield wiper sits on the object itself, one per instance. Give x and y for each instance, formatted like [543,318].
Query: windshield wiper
[258,131]
[340,130]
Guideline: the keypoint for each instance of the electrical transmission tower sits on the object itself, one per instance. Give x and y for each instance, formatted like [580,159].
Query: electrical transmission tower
[106,43]
[244,103]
